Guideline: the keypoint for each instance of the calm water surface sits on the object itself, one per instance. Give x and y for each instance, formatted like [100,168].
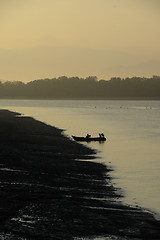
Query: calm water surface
[132,148]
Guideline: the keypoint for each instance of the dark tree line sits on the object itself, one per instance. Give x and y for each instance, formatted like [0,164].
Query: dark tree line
[83,88]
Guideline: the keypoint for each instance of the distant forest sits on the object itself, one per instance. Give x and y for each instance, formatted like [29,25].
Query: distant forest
[83,88]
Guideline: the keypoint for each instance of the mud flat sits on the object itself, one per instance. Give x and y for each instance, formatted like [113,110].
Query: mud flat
[49,189]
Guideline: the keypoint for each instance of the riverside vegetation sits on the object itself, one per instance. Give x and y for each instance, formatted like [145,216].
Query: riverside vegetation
[52,188]
[80,88]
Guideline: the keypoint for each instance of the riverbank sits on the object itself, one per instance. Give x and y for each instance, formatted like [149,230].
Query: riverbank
[47,193]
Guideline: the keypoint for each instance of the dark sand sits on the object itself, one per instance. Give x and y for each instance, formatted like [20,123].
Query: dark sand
[47,192]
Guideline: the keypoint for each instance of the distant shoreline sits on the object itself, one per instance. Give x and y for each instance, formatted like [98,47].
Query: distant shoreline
[63,87]
[89,99]
[47,192]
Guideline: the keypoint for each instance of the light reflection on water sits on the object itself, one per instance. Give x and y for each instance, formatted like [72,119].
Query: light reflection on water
[133,138]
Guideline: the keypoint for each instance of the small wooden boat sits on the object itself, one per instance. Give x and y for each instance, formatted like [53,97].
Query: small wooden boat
[89,139]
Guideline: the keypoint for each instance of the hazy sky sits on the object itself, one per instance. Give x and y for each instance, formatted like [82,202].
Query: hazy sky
[106,38]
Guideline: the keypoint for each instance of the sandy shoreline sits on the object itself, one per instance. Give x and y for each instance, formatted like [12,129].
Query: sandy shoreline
[46,192]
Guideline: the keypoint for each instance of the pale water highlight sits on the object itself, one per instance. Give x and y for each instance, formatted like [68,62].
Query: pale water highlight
[132,148]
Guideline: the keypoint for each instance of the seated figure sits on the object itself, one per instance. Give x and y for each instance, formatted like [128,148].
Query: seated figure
[101,135]
[88,135]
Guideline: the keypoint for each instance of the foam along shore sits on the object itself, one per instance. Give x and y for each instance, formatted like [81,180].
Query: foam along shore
[47,192]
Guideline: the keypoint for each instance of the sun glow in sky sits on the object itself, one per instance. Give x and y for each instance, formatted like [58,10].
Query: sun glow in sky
[106,38]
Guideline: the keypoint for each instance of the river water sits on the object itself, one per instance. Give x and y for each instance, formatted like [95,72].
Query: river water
[132,148]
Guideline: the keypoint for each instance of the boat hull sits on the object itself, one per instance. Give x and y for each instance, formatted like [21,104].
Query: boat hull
[90,139]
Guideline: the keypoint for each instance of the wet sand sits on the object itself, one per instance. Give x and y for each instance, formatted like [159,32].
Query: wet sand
[49,189]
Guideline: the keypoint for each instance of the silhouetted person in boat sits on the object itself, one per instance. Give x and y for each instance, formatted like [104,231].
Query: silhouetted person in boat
[88,136]
[101,135]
